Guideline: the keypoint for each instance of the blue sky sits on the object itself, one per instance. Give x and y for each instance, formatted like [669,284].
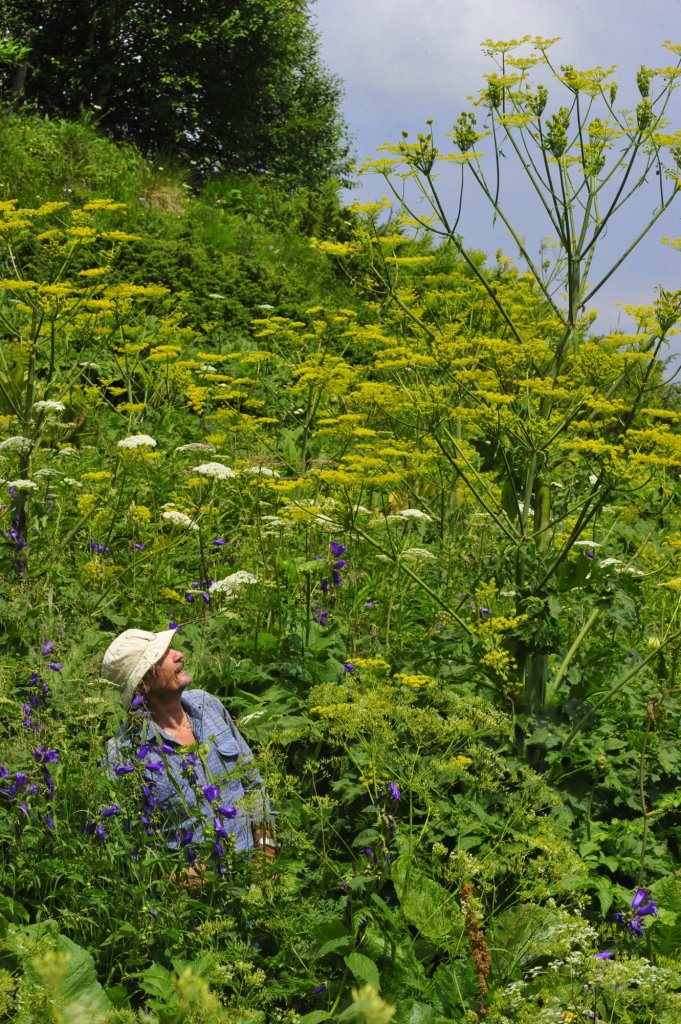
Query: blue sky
[404,61]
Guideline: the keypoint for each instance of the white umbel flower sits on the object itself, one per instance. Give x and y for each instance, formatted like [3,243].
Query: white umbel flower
[48,405]
[137,441]
[262,471]
[179,519]
[415,513]
[196,446]
[586,544]
[216,470]
[23,485]
[230,584]
[418,555]
[15,444]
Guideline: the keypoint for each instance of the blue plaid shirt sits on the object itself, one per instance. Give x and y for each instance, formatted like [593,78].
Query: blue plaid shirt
[224,759]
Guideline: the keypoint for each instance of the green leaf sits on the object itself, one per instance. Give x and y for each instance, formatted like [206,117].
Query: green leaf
[307,566]
[339,945]
[418,1013]
[605,899]
[76,983]
[387,911]
[364,968]
[156,980]
[314,1017]
[12,910]
[425,903]
[266,640]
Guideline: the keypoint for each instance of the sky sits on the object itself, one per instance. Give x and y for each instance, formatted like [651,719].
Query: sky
[404,61]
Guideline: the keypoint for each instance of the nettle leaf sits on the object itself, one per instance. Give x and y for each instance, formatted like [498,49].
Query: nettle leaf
[156,980]
[425,903]
[364,968]
[415,1013]
[666,933]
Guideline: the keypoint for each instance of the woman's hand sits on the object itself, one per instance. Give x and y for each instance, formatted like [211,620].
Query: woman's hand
[264,844]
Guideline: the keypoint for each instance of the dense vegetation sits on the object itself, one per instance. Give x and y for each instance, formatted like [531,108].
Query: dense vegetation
[416,524]
[235,87]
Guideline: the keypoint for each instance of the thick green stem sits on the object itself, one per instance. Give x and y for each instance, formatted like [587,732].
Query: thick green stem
[650,718]
[565,664]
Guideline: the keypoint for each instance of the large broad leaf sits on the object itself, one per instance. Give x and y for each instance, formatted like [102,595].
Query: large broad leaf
[363,968]
[665,931]
[414,1012]
[518,937]
[427,905]
[76,984]
[156,981]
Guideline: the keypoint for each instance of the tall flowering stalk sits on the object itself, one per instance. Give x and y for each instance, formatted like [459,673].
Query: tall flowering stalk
[525,408]
[479,949]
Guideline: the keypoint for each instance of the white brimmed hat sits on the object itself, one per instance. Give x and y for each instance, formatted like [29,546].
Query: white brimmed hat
[128,659]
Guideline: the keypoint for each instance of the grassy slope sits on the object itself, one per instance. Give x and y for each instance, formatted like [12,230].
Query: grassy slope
[236,245]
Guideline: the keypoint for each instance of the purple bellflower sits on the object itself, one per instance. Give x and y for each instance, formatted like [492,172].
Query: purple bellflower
[44,756]
[643,904]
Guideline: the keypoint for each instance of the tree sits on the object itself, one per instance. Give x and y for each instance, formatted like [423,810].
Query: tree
[227,86]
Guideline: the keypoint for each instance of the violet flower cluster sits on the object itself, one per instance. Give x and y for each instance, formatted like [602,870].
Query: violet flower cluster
[328,584]
[18,787]
[642,906]
[143,771]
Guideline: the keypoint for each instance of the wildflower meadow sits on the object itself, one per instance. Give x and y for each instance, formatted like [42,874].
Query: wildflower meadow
[415,522]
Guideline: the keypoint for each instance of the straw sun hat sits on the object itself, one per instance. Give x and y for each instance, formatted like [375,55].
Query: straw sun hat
[128,659]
